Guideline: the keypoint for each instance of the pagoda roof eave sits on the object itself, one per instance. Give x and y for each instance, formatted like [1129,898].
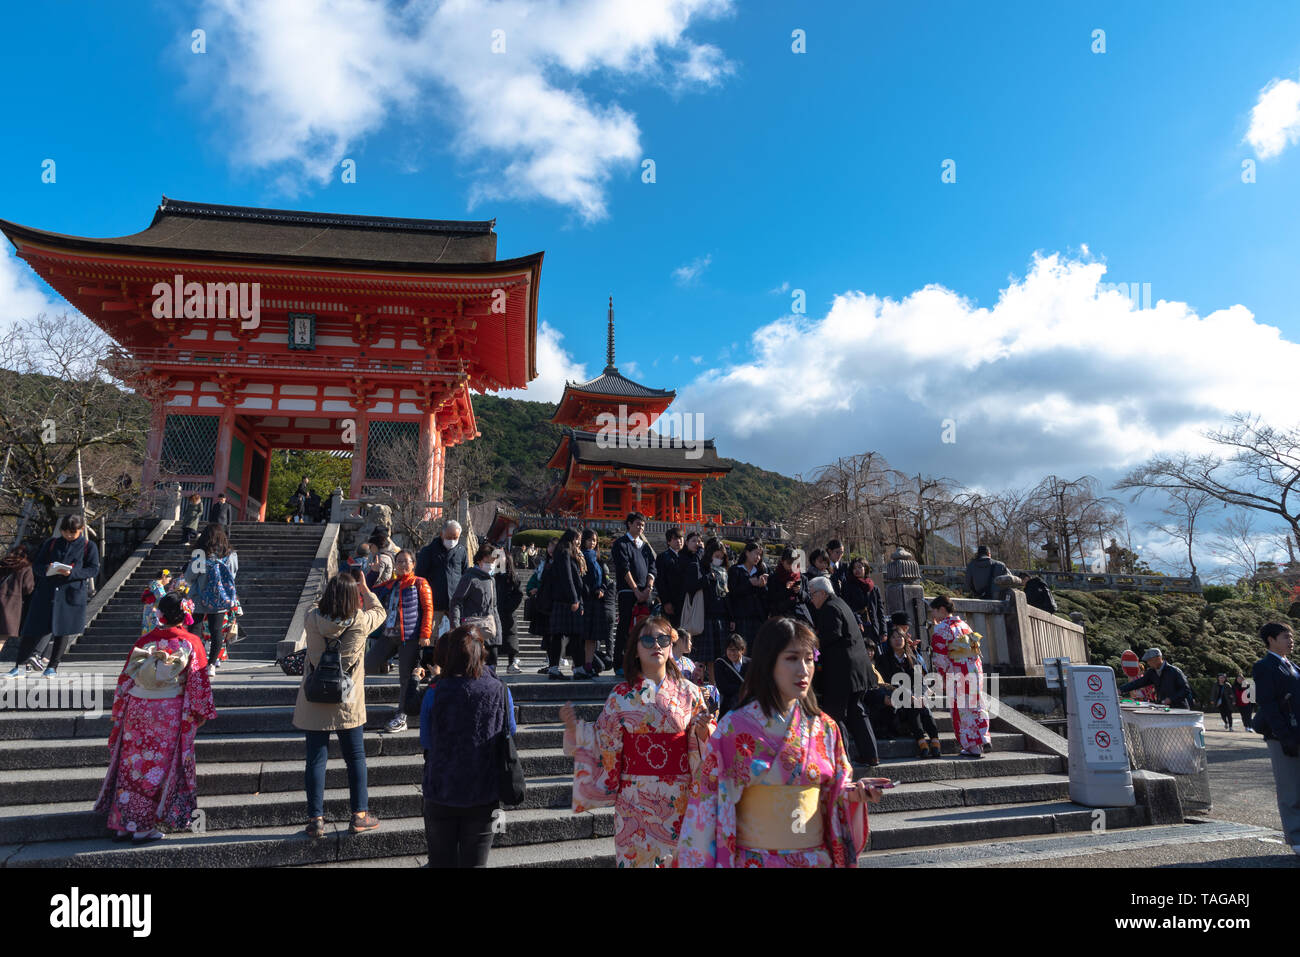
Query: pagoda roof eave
[648,395]
[111,250]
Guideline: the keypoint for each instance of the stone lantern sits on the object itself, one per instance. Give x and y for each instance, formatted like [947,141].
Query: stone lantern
[904,591]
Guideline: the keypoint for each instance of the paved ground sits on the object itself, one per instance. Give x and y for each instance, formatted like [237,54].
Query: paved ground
[1241,830]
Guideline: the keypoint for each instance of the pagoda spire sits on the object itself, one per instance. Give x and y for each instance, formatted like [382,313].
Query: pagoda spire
[609,347]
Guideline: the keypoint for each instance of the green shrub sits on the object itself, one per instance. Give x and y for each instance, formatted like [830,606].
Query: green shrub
[535,536]
[1217,593]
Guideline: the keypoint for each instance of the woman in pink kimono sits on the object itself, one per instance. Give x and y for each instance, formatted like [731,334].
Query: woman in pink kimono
[955,654]
[643,750]
[162,699]
[776,787]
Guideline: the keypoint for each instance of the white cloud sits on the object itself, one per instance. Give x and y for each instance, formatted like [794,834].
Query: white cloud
[1275,118]
[784,287]
[1056,376]
[21,296]
[691,271]
[519,116]
[555,366]
[697,359]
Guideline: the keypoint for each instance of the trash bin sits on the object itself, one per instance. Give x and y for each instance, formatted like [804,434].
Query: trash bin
[1170,741]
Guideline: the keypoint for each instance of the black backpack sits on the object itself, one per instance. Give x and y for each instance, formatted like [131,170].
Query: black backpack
[546,587]
[328,683]
[1039,595]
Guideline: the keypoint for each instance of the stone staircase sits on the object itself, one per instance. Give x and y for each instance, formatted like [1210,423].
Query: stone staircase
[274,560]
[250,764]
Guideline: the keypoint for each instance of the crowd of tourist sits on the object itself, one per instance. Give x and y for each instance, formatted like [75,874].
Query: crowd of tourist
[744,695]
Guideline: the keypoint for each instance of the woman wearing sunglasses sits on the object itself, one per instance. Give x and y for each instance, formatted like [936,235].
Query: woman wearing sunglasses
[642,752]
[776,788]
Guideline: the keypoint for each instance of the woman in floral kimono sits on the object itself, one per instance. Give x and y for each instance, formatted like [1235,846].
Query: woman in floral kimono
[955,654]
[643,750]
[776,787]
[162,699]
[152,595]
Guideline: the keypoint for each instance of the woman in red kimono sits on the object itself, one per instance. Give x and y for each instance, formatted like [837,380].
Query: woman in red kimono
[162,699]
[955,654]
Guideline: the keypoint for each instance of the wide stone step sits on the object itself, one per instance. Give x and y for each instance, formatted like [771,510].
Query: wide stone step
[589,852]
[288,746]
[69,820]
[50,785]
[541,835]
[952,826]
[283,845]
[232,690]
[55,820]
[1016,787]
[219,748]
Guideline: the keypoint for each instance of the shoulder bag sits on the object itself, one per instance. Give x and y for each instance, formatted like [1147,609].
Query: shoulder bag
[510,767]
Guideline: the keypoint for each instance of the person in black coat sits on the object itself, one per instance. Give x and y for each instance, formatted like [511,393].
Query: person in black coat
[668,577]
[706,572]
[839,568]
[509,595]
[861,594]
[442,562]
[1170,683]
[729,673]
[787,591]
[566,571]
[1224,700]
[747,592]
[599,608]
[901,668]
[1277,689]
[634,577]
[223,513]
[58,605]
[845,676]
[981,572]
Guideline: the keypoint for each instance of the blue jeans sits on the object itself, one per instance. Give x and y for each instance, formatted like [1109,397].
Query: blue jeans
[352,743]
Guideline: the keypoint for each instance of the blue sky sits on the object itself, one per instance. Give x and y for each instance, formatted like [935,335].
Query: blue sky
[775,172]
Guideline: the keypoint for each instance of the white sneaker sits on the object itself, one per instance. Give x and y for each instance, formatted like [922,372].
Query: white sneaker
[566,662]
[514,669]
[212,671]
[396,723]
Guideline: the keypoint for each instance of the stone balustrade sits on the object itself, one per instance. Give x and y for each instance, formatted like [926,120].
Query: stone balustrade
[954,576]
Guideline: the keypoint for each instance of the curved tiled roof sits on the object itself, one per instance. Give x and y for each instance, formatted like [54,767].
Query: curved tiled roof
[651,451]
[245,231]
[612,382]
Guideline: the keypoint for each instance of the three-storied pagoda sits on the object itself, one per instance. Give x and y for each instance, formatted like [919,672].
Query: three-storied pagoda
[612,462]
[370,332]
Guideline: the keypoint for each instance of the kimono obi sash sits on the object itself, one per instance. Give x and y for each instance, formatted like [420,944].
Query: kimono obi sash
[772,817]
[655,753]
[158,670]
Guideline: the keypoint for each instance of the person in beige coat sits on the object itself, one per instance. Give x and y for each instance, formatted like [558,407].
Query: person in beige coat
[347,612]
